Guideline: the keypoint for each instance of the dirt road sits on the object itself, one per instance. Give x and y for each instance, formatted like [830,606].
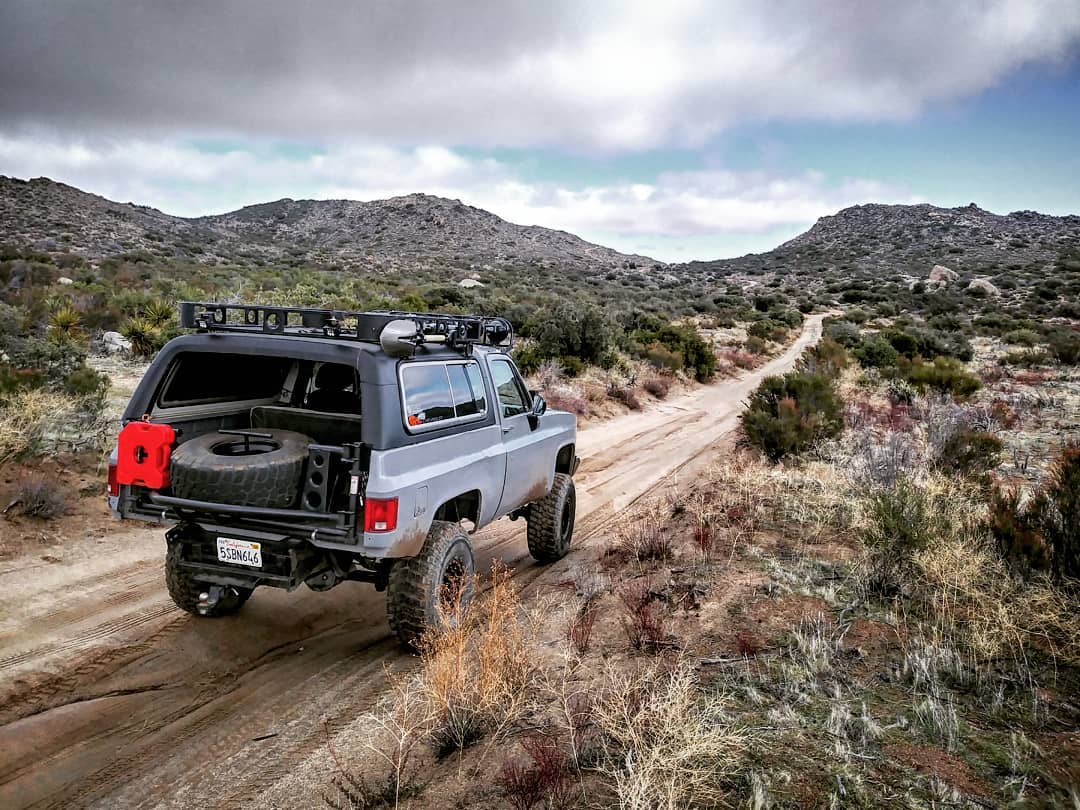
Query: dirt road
[110,696]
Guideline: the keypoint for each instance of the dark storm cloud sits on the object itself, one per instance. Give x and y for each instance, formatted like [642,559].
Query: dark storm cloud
[608,75]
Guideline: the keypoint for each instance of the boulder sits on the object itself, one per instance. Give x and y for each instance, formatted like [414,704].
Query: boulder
[943,275]
[469,283]
[114,342]
[984,285]
[65,280]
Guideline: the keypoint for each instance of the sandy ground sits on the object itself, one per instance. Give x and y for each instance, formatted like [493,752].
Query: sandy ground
[110,696]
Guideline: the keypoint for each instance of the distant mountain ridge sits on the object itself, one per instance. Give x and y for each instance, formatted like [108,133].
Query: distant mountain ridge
[421,230]
[382,233]
[910,239]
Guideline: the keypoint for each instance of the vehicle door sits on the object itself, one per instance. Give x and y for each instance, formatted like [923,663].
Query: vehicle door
[529,462]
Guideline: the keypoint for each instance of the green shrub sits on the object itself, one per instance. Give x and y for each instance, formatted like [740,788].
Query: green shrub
[1059,505]
[904,343]
[1065,346]
[581,331]
[768,329]
[876,352]
[970,452]
[790,414]
[660,356]
[1026,358]
[845,333]
[528,357]
[900,392]
[945,375]
[1045,532]
[826,357]
[572,365]
[1021,337]
[1016,533]
[87,383]
[899,523]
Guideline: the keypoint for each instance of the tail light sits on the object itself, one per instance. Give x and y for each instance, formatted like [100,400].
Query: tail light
[114,481]
[380,514]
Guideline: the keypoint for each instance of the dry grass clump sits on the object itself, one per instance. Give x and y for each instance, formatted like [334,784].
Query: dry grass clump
[476,674]
[974,598]
[668,744]
[33,421]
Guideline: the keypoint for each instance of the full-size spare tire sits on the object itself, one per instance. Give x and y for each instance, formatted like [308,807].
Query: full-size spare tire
[246,471]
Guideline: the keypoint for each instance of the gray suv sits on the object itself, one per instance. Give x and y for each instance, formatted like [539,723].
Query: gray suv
[307,446]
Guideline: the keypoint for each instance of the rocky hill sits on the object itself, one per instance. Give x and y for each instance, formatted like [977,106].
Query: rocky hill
[384,234]
[888,240]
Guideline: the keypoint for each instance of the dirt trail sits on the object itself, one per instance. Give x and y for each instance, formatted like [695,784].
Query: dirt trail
[110,696]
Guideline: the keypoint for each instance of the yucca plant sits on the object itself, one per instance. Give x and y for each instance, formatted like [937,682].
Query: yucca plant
[144,336]
[64,326]
[158,312]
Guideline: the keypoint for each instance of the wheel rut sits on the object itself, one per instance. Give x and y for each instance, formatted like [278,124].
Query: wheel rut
[123,700]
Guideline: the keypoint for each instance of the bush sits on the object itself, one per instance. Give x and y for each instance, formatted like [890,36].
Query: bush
[1065,346]
[580,331]
[899,524]
[1059,505]
[876,352]
[659,356]
[1046,530]
[657,386]
[768,329]
[697,354]
[790,414]
[845,333]
[1027,358]
[826,357]
[970,452]
[944,375]
[42,497]
[87,384]
[1016,534]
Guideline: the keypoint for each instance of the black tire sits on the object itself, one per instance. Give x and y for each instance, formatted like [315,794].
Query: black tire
[185,589]
[417,590]
[214,467]
[551,521]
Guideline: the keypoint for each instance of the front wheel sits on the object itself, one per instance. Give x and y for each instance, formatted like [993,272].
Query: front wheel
[433,588]
[551,521]
[185,589]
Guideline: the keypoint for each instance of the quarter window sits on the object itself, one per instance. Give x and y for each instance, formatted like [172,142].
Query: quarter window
[439,392]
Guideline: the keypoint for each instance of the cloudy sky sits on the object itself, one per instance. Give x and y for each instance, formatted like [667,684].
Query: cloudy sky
[676,129]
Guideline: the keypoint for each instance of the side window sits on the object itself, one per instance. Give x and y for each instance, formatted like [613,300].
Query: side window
[468,389]
[437,392]
[509,389]
[427,394]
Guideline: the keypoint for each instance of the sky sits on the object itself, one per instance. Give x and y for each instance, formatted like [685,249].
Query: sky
[679,130]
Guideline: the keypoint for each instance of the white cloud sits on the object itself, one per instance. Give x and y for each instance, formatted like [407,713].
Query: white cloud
[606,75]
[677,210]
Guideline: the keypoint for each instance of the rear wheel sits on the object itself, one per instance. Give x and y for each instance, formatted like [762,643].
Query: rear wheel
[433,588]
[185,589]
[551,521]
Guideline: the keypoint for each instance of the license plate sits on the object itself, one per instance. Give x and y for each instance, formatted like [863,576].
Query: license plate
[239,552]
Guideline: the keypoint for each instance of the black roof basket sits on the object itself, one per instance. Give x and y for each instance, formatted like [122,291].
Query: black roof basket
[456,331]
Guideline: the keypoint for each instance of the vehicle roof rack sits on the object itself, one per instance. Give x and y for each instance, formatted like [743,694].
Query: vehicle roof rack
[459,332]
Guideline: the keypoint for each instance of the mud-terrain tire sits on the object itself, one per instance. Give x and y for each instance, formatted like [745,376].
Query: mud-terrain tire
[212,467]
[416,591]
[185,589]
[551,521]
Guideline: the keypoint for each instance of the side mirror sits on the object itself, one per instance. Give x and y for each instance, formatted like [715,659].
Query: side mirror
[539,407]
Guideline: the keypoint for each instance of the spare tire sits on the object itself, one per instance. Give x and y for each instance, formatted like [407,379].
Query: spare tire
[261,469]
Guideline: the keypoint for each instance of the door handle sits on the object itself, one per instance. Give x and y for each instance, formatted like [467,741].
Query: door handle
[506,430]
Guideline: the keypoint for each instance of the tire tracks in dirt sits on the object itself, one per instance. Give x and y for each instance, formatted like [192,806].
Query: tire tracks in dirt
[152,707]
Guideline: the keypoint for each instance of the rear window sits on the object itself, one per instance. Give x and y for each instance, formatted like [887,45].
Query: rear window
[198,378]
[440,392]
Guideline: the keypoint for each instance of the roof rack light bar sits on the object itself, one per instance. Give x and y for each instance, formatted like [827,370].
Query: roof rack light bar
[456,331]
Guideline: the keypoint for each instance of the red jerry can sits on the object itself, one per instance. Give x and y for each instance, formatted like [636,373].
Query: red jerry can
[142,454]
